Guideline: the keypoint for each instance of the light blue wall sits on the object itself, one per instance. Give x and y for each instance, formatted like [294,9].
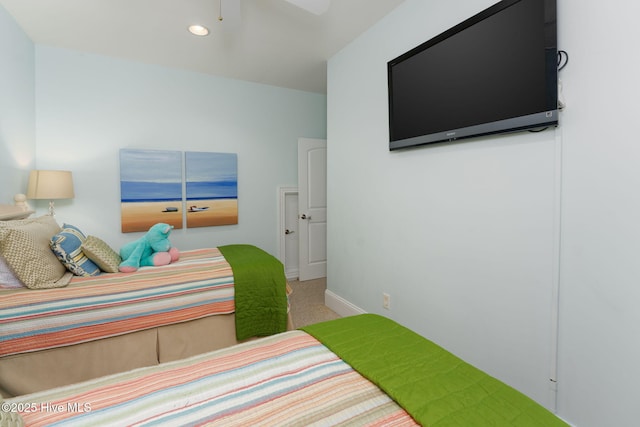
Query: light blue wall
[90,106]
[460,235]
[17,108]
[600,272]
[472,240]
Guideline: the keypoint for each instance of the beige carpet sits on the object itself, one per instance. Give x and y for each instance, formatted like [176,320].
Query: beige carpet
[307,302]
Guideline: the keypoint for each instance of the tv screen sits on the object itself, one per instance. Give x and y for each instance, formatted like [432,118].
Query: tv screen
[495,72]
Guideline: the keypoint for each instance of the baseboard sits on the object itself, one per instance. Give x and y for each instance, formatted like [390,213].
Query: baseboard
[291,274]
[340,305]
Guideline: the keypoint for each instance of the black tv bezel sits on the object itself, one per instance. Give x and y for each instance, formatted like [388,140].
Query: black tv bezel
[536,120]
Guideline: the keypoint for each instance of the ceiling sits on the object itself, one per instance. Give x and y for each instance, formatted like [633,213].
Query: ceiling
[266,41]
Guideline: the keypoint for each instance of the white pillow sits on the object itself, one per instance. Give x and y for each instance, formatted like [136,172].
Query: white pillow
[8,280]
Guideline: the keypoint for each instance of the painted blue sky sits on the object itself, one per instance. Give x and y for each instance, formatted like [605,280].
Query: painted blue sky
[211,167]
[150,165]
[156,175]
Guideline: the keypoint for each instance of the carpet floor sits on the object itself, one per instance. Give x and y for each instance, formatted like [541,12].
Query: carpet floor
[307,302]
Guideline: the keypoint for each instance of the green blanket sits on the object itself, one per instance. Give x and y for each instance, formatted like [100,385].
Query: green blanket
[260,291]
[435,387]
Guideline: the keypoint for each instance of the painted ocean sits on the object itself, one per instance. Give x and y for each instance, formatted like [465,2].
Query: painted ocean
[144,191]
[200,190]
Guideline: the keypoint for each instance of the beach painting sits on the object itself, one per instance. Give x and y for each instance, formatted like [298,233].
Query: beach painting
[150,188]
[211,188]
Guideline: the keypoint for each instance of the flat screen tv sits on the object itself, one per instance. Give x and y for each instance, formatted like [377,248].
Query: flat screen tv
[494,72]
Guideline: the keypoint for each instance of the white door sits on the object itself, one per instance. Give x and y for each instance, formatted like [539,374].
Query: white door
[312,208]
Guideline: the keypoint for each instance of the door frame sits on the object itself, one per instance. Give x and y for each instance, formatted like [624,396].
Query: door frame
[283,192]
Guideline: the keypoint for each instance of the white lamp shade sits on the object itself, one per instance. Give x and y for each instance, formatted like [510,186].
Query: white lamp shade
[50,185]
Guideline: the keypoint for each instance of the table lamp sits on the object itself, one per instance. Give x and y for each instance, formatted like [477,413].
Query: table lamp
[50,185]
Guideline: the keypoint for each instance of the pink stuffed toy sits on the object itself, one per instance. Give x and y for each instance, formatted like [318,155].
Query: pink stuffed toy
[152,249]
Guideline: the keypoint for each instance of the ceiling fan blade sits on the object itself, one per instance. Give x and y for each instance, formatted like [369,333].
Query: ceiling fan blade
[317,7]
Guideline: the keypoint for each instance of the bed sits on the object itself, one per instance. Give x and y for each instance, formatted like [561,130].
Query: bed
[114,322]
[359,370]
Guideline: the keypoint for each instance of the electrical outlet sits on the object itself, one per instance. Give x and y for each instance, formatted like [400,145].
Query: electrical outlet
[386,301]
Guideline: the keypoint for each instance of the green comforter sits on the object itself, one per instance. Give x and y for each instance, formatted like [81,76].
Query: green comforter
[260,291]
[434,386]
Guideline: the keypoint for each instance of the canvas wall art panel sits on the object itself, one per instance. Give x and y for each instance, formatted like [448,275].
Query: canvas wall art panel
[211,188]
[150,188]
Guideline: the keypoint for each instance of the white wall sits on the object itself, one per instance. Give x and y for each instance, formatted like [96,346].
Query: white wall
[470,239]
[89,106]
[600,282]
[461,236]
[17,108]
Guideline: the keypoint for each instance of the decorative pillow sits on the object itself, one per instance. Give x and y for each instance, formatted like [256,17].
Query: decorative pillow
[101,253]
[67,247]
[24,244]
[8,280]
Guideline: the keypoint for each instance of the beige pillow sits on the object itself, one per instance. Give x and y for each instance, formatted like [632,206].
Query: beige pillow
[24,244]
[101,254]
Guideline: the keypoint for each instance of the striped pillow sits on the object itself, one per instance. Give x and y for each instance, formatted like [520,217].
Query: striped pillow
[67,247]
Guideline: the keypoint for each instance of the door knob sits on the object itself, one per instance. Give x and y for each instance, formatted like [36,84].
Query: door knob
[287,231]
[304,216]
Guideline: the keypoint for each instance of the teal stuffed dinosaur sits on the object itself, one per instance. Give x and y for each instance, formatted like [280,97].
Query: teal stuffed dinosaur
[152,249]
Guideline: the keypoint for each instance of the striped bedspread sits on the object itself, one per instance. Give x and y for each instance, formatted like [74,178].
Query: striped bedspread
[200,284]
[286,379]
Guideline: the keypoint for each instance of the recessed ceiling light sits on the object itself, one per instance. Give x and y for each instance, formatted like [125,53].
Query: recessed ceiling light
[198,30]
